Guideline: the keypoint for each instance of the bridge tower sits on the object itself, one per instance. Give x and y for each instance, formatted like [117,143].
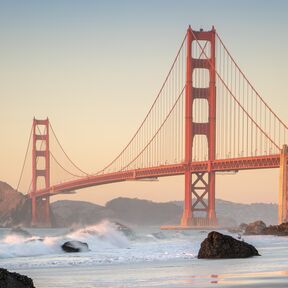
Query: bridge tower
[283,187]
[40,171]
[197,212]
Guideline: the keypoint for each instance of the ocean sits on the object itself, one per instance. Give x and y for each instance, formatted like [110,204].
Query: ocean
[148,257]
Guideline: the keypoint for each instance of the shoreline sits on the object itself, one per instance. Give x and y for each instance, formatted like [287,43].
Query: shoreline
[161,274]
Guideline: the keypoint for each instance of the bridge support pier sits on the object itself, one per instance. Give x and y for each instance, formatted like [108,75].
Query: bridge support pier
[40,212]
[40,170]
[197,212]
[283,187]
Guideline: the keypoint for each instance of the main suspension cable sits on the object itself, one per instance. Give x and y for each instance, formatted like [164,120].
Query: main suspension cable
[235,99]
[154,103]
[70,160]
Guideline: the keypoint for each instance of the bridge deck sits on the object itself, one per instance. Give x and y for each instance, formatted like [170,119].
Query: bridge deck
[232,164]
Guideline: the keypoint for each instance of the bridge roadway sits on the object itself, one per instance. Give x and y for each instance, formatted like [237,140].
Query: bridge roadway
[232,164]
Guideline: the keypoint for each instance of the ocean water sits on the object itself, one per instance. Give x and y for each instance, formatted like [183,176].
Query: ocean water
[147,258]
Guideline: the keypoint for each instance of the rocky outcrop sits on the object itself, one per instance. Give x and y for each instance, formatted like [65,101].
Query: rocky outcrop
[255,228]
[260,228]
[219,246]
[278,230]
[15,208]
[75,246]
[14,280]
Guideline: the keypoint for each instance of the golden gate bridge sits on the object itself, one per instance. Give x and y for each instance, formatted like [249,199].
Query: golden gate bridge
[206,118]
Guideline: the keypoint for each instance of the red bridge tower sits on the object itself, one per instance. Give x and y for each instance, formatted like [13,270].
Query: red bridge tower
[199,185]
[40,169]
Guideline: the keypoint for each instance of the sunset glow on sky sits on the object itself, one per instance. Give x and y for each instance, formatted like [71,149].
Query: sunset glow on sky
[95,67]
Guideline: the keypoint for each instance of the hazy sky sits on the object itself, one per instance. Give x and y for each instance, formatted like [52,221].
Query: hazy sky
[95,67]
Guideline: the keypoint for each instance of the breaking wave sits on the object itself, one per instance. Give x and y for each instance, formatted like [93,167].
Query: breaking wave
[98,237]
[108,243]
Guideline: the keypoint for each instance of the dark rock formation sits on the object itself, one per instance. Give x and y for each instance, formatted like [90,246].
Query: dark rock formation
[260,228]
[255,228]
[278,230]
[75,246]
[14,280]
[219,246]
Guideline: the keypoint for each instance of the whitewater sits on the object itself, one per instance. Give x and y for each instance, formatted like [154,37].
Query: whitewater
[147,257]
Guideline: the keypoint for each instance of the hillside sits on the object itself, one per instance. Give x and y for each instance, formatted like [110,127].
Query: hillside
[68,213]
[247,213]
[15,209]
[237,213]
[143,212]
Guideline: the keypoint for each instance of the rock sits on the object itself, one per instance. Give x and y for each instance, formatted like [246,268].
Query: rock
[278,230]
[239,236]
[255,228]
[219,246]
[75,246]
[14,280]
[243,226]
[260,228]
[20,231]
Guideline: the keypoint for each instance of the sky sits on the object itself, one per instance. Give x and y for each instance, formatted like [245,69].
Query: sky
[95,67]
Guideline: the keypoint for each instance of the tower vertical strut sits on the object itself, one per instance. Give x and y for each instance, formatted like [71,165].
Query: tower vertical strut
[199,185]
[283,186]
[40,205]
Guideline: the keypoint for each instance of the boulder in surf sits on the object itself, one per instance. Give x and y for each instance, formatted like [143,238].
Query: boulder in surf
[219,246]
[75,246]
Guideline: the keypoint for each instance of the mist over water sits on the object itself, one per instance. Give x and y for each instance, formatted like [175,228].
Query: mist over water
[135,255]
